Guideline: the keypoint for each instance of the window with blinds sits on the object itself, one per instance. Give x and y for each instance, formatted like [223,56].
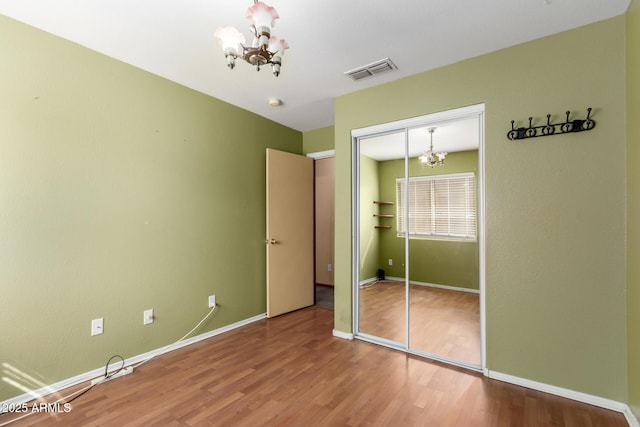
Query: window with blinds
[440,206]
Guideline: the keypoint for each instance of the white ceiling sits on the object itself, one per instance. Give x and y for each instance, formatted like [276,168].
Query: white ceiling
[174,39]
[449,136]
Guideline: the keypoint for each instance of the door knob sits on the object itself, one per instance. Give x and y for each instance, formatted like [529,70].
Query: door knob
[273,241]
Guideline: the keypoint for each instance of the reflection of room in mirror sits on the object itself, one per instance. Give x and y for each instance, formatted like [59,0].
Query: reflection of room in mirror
[443,300]
[444,322]
[452,136]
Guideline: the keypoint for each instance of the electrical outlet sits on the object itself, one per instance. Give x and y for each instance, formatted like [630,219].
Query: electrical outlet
[329,267]
[148,316]
[390,261]
[212,301]
[97,326]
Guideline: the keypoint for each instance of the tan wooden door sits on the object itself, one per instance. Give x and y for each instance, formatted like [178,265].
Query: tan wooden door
[289,232]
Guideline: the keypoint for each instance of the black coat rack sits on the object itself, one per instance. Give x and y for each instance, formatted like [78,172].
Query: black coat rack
[569,126]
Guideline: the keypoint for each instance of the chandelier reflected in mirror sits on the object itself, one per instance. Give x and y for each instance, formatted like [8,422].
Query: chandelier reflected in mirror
[265,48]
[428,158]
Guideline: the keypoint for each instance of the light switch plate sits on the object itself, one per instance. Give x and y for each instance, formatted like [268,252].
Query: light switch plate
[148,316]
[97,326]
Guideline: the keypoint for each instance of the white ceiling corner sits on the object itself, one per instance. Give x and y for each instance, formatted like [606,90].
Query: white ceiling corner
[174,39]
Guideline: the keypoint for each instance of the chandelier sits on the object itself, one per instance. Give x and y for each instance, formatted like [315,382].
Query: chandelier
[428,158]
[265,48]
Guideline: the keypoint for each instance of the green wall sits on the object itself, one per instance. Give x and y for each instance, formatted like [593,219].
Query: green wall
[441,262]
[317,140]
[633,203]
[369,235]
[120,192]
[555,206]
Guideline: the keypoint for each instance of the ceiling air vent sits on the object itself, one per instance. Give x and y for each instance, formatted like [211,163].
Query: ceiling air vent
[371,70]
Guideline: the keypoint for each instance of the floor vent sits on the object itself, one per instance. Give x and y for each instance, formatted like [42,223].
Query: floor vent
[371,70]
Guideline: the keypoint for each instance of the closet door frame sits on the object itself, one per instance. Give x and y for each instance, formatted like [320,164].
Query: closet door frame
[357,136]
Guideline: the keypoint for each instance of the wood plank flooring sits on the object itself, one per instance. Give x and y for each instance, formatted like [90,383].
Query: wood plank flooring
[291,371]
[442,321]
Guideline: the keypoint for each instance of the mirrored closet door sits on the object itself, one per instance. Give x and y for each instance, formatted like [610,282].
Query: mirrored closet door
[417,285]
[381,290]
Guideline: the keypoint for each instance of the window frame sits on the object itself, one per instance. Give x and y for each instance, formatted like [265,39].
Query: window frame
[433,218]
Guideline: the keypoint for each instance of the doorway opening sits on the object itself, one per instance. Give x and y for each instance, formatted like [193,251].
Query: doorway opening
[324,225]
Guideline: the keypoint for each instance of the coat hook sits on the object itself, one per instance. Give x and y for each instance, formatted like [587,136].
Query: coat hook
[548,129]
[566,126]
[531,131]
[588,123]
[513,133]
[575,125]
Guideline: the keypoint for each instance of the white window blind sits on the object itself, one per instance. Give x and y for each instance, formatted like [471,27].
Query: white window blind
[440,206]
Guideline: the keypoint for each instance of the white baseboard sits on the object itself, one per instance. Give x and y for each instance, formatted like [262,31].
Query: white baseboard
[98,372]
[569,394]
[435,285]
[449,288]
[343,335]
[635,414]
[367,281]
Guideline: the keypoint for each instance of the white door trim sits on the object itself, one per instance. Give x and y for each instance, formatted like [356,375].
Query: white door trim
[318,155]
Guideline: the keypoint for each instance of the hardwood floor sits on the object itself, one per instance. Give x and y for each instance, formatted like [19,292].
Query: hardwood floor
[290,370]
[442,321]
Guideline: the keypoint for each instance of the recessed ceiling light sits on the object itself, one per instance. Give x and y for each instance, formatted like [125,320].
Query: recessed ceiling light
[275,102]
